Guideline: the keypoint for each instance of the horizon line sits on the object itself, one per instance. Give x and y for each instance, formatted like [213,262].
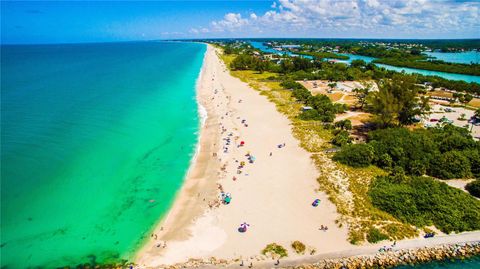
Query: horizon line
[234,38]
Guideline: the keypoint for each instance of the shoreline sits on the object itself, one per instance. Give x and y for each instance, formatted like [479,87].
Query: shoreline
[192,182]
[201,226]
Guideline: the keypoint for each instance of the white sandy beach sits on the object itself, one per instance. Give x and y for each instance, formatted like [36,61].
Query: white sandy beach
[273,195]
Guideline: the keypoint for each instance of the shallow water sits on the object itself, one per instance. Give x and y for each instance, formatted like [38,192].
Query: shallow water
[457,57]
[96,140]
[452,76]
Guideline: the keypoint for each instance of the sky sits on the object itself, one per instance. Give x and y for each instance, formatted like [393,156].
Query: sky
[106,21]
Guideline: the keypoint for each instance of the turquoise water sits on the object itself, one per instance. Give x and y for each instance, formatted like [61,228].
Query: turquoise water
[452,76]
[95,142]
[456,57]
[471,263]
[260,46]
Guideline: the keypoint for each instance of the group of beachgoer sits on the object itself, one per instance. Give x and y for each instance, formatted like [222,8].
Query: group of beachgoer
[386,248]
[243,227]
[160,244]
[226,198]
[323,228]
[249,266]
[231,142]
[429,235]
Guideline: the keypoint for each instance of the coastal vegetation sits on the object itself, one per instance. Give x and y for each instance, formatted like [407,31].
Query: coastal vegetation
[443,152]
[396,102]
[322,107]
[299,247]
[323,55]
[374,235]
[423,201]
[275,250]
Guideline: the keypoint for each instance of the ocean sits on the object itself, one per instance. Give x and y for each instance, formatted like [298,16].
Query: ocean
[95,142]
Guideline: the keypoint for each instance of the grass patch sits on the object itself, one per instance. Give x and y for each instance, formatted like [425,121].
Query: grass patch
[374,235]
[275,250]
[299,247]
[475,103]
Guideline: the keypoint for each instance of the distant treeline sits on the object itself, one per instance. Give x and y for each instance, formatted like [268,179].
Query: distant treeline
[435,65]
[440,44]
[323,55]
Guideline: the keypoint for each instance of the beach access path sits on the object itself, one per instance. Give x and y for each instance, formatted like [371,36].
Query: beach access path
[274,194]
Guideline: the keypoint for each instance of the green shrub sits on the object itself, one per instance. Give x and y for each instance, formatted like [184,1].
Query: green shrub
[423,201]
[344,124]
[474,188]
[291,84]
[342,138]
[451,164]
[443,152]
[385,161]
[274,249]
[310,115]
[374,235]
[473,156]
[404,148]
[357,155]
[299,247]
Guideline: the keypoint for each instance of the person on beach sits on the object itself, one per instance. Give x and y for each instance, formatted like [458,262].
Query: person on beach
[270,154]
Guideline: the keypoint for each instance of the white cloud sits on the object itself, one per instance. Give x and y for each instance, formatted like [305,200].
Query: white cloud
[377,17]
[230,22]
